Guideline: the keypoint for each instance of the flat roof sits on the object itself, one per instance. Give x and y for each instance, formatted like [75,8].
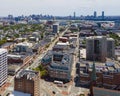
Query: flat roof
[83,53]
[17,93]
[61,43]
[14,56]
[24,44]
[63,37]
[13,67]
[111,39]
[99,37]
[95,37]
[29,73]
[7,44]
[2,50]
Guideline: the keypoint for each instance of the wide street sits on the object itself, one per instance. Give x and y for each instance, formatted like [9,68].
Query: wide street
[38,59]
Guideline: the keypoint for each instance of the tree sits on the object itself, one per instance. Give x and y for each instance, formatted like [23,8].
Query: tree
[16,35]
[3,41]
[115,37]
[42,70]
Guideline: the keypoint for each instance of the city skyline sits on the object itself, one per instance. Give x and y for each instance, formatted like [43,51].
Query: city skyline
[59,7]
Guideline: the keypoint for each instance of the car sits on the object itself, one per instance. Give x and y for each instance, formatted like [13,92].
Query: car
[53,92]
[7,94]
[65,86]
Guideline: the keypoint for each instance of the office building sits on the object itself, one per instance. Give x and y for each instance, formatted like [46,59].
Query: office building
[27,81]
[74,15]
[110,48]
[103,15]
[94,48]
[10,16]
[23,47]
[55,28]
[99,47]
[3,66]
[59,65]
[95,14]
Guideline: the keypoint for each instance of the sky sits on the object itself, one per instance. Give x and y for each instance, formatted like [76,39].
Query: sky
[59,7]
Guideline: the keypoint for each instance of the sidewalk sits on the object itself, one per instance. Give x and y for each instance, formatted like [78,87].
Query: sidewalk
[4,87]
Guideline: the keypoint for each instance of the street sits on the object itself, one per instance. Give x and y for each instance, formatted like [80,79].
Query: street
[48,88]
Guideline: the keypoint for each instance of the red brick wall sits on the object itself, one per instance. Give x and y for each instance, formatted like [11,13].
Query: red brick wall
[116,79]
[27,86]
[112,79]
[11,60]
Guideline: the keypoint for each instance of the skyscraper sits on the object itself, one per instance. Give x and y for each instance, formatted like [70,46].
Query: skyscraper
[110,48]
[55,28]
[99,47]
[3,66]
[74,15]
[103,15]
[95,46]
[95,14]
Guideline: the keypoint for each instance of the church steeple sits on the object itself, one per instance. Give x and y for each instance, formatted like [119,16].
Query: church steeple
[93,74]
[93,79]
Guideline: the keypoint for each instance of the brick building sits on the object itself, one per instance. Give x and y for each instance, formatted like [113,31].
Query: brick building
[105,92]
[108,80]
[27,81]
[63,39]
[22,60]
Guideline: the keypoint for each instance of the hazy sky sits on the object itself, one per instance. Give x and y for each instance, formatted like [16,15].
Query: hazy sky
[59,7]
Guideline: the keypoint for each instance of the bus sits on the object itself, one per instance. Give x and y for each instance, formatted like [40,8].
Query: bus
[59,83]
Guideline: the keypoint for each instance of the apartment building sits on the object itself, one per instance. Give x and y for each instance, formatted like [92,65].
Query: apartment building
[27,81]
[3,66]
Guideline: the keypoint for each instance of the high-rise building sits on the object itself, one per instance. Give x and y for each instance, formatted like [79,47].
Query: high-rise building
[95,14]
[55,28]
[98,48]
[3,66]
[10,16]
[74,14]
[110,48]
[103,15]
[27,81]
